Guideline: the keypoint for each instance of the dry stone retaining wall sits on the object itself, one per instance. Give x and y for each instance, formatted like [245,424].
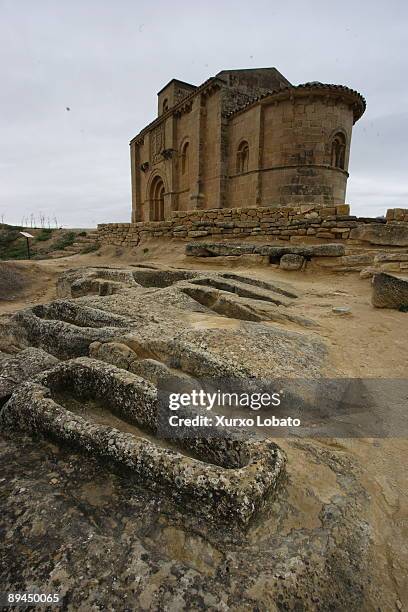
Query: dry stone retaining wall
[301,223]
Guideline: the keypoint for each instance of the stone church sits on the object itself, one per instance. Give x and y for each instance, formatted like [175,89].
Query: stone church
[243,138]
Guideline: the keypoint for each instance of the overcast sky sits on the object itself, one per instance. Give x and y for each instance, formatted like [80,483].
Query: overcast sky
[106,59]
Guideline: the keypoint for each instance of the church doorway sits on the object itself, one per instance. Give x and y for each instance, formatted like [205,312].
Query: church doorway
[157,199]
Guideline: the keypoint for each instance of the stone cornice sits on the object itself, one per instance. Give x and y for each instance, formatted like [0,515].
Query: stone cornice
[315,89]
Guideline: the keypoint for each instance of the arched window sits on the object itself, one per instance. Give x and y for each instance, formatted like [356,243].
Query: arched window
[338,151]
[165,105]
[242,157]
[184,158]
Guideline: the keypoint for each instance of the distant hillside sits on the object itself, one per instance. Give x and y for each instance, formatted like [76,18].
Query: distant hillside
[47,243]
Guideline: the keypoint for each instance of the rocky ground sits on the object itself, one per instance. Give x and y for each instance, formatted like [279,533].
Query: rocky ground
[332,537]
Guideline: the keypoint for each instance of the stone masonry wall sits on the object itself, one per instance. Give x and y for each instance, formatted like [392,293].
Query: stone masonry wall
[397,214]
[287,223]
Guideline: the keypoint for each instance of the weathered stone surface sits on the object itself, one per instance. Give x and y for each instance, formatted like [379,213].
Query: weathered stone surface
[357,260]
[390,234]
[232,477]
[215,249]
[197,233]
[341,310]
[290,261]
[385,257]
[390,266]
[318,250]
[368,272]
[241,288]
[237,307]
[203,249]
[101,281]
[66,329]
[390,291]
[150,536]
[15,369]
[343,209]
[106,542]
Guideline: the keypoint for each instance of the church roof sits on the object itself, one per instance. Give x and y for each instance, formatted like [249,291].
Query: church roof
[305,88]
[184,83]
[358,101]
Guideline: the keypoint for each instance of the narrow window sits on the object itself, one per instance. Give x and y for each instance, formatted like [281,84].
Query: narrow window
[338,151]
[165,105]
[242,157]
[184,158]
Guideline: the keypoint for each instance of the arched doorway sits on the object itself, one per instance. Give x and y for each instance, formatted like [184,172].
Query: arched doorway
[157,199]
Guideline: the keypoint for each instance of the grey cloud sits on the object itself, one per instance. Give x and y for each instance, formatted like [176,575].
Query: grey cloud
[106,61]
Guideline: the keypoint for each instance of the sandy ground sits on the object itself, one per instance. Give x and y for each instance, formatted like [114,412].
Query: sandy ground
[366,343]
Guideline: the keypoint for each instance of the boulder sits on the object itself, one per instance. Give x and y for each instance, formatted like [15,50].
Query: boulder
[290,261]
[390,291]
[387,234]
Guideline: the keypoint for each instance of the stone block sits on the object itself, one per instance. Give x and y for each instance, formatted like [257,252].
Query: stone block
[390,292]
[390,234]
[383,257]
[324,235]
[390,267]
[399,214]
[305,208]
[357,260]
[197,233]
[343,209]
[247,224]
[324,212]
[225,224]
[291,261]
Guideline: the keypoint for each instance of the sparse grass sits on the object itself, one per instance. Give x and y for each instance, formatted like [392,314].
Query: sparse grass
[4,226]
[7,236]
[90,248]
[11,281]
[12,245]
[64,241]
[45,234]
[17,251]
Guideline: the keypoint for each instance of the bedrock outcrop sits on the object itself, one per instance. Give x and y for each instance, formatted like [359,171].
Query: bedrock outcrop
[390,291]
[214,249]
[99,508]
[15,369]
